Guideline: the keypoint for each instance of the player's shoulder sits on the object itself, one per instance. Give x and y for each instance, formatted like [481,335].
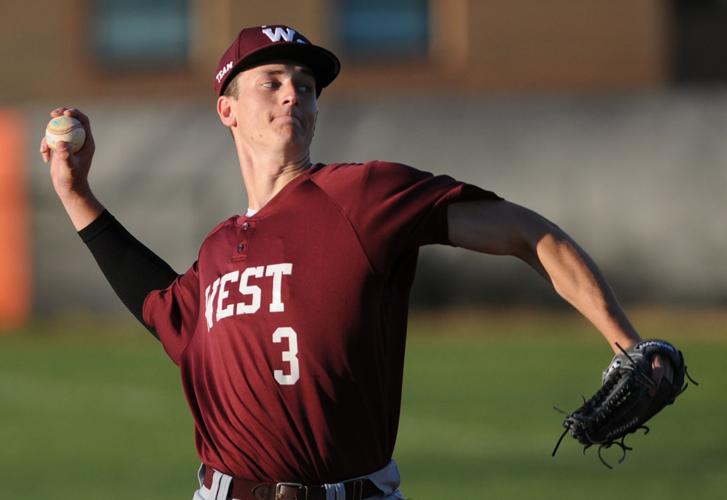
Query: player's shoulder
[222,226]
[374,171]
[359,168]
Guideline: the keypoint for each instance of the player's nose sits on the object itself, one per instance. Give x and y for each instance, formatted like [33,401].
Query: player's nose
[289,93]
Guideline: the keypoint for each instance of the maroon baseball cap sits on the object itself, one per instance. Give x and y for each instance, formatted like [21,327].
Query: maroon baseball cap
[260,44]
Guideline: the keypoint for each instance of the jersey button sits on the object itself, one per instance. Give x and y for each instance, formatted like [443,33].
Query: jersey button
[245,226]
[240,247]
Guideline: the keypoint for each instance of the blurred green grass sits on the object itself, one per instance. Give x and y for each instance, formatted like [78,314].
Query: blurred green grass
[93,409]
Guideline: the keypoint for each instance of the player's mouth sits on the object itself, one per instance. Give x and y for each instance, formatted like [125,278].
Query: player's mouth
[288,119]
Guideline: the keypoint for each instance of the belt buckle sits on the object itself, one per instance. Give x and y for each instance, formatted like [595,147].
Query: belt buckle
[282,489]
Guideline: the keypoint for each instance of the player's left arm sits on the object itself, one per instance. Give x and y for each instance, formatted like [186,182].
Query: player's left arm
[504,228]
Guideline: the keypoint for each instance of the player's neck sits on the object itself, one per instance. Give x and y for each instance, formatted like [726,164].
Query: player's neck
[264,179]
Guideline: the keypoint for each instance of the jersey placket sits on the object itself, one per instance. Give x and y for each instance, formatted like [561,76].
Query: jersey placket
[244,235]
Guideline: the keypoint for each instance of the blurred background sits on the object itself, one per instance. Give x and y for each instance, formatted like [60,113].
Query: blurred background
[606,116]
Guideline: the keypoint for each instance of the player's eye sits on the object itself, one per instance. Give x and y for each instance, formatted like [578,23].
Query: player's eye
[270,84]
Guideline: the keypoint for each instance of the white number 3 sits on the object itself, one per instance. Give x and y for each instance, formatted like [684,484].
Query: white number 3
[290,356]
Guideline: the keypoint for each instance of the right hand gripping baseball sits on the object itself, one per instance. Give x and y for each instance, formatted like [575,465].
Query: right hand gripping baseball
[69,171]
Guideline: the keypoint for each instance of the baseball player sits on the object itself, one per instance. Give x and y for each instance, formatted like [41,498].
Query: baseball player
[289,329]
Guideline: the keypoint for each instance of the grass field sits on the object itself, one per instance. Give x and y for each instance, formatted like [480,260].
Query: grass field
[90,410]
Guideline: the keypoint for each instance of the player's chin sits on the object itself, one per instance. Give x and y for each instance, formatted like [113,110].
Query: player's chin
[295,136]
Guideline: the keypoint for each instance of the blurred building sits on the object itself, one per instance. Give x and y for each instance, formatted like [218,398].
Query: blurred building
[102,47]
[140,47]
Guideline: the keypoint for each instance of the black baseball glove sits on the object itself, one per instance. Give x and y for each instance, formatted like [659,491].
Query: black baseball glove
[628,398]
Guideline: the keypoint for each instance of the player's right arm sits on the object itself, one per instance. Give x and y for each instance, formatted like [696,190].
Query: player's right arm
[131,268]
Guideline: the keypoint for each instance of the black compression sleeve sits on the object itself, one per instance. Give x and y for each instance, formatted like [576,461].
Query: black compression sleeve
[130,267]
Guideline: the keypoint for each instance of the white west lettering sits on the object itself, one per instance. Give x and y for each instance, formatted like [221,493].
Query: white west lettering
[209,295]
[277,271]
[219,305]
[252,290]
[228,310]
[287,34]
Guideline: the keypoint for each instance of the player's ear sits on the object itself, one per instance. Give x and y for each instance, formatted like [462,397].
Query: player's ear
[225,111]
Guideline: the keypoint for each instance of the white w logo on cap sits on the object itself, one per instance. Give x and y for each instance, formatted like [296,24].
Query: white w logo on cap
[287,34]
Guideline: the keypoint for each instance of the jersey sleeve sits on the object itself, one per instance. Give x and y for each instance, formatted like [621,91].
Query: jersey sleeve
[395,208]
[173,312]
[163,301]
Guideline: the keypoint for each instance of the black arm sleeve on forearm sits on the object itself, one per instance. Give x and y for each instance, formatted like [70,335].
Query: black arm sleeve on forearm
[131,268]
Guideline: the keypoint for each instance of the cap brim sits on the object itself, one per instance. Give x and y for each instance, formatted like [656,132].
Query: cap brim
[324,64]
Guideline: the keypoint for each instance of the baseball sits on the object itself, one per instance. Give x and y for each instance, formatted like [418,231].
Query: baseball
[67,129]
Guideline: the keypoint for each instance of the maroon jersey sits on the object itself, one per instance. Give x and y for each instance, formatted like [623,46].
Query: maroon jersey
[289,330]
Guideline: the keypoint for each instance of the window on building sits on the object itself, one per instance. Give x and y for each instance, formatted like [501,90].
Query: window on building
[700,40]
[384,29]
[140,34]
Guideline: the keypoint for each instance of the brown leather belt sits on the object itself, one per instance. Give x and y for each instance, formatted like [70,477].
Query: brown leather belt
[244,489]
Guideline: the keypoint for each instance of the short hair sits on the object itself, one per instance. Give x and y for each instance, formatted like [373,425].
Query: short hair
[231,89]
